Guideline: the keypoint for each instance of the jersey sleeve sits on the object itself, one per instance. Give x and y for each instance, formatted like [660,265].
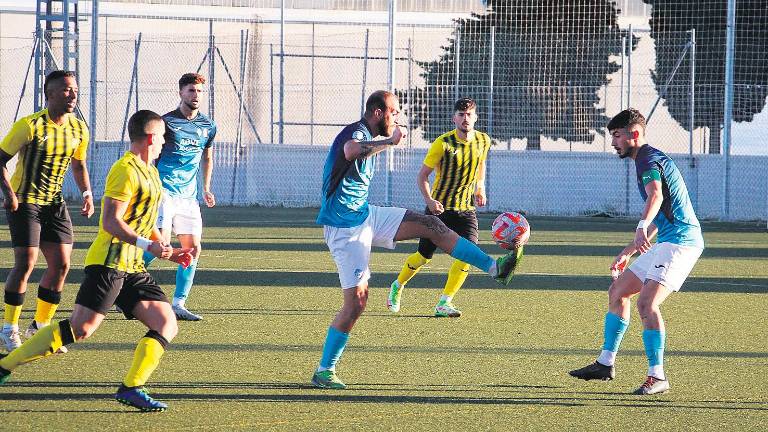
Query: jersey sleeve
[651,174]
[82,149]
[21,134]
[486,147]
[434,154]
[120,184]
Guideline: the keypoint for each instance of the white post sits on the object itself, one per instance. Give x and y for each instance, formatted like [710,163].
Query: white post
[730,35]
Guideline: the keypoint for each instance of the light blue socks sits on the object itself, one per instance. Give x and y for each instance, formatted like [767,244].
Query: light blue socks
[468,252]
[334,346]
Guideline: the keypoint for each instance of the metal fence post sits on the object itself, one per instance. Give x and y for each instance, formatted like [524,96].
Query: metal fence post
[456,58]
[730,35]
[271,93]
[629,68]
[281,106]
[211,71]
[365,73]
[490,82]
[312,91]
[691,121]
[94,77]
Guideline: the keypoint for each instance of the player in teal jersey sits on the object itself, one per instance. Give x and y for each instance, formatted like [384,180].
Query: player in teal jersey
[351,225]
[661,268]
[189,136]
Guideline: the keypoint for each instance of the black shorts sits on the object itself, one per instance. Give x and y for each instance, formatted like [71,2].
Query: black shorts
[463,223]
[32,223]
[104,287]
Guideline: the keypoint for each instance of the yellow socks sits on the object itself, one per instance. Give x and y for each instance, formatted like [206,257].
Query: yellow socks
[145,359]
[411,267]
[47,303]
[13,305]
[456,277]
[44,343]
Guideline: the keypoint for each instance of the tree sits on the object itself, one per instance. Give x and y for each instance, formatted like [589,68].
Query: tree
[550,61]
[670,20]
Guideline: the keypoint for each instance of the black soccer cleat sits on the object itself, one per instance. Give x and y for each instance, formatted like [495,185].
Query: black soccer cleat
[595,371]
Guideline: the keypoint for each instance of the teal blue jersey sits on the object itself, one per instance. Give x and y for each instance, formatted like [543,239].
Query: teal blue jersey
[676,221]
[179,162]
[344,203]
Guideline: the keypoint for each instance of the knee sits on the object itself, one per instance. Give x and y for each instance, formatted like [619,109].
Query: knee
[25,266]
[82,332]
[61,269]
[170,330]
[646,307]
[616,298]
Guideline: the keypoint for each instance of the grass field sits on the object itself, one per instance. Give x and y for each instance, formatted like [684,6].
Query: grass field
[268,289]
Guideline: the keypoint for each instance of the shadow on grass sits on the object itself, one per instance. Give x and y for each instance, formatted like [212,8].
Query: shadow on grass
[387,349]
[313,279]
[351,395]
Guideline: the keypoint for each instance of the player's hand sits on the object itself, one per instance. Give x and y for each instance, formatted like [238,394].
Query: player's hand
[182,256]
[399,133]
[160,250]
[435,207]
[209,198]
[11,202]
[480,197]
[642,242]
[619,264]
[88,208]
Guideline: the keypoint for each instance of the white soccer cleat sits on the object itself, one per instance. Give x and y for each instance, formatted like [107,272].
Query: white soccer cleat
[11,339]
[184,315]
[446,310]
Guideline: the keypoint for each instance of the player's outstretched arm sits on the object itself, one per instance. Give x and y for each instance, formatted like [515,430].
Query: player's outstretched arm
[422,181]
[354,149]
[83,181]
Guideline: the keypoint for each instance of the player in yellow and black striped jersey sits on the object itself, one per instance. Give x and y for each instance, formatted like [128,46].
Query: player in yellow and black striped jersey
[114,268]
[458,160]
[45,142]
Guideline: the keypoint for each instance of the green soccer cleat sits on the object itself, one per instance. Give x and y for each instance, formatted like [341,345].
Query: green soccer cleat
[506,265]
[327,380]
[446,310]
[5,375]
[393,301]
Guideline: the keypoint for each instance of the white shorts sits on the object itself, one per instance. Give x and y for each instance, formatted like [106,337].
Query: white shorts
[351,247]
[667,263]
[181,214]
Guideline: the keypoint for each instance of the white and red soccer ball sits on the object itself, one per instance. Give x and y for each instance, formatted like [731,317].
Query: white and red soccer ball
[510,229]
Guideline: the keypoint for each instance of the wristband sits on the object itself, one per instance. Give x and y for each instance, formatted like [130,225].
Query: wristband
[643,224]
[87,194]
[143,243]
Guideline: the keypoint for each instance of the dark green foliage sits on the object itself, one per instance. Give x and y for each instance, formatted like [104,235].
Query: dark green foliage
[550,62]
[670,21]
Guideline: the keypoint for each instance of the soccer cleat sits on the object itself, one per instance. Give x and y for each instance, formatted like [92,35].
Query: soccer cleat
[506,265]
[653,385]
[11,339]
[446,310]
[4,374]
[138,397]
[327,380]
[393,301]
[595,371]
[184,315]
[33,328]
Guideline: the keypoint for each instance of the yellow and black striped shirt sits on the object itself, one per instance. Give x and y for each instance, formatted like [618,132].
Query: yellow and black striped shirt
[45,150]
[456,162]
[129,180]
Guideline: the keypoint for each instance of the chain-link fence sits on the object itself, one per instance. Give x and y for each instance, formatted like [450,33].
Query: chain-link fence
[547,77]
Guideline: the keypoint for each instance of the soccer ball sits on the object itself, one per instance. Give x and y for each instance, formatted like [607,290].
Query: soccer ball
[509,227]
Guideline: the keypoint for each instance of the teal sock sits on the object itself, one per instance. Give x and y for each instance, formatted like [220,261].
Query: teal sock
[468,252]
[184,279]
[654,346]
[334,346]
[613,331]
[148,258]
